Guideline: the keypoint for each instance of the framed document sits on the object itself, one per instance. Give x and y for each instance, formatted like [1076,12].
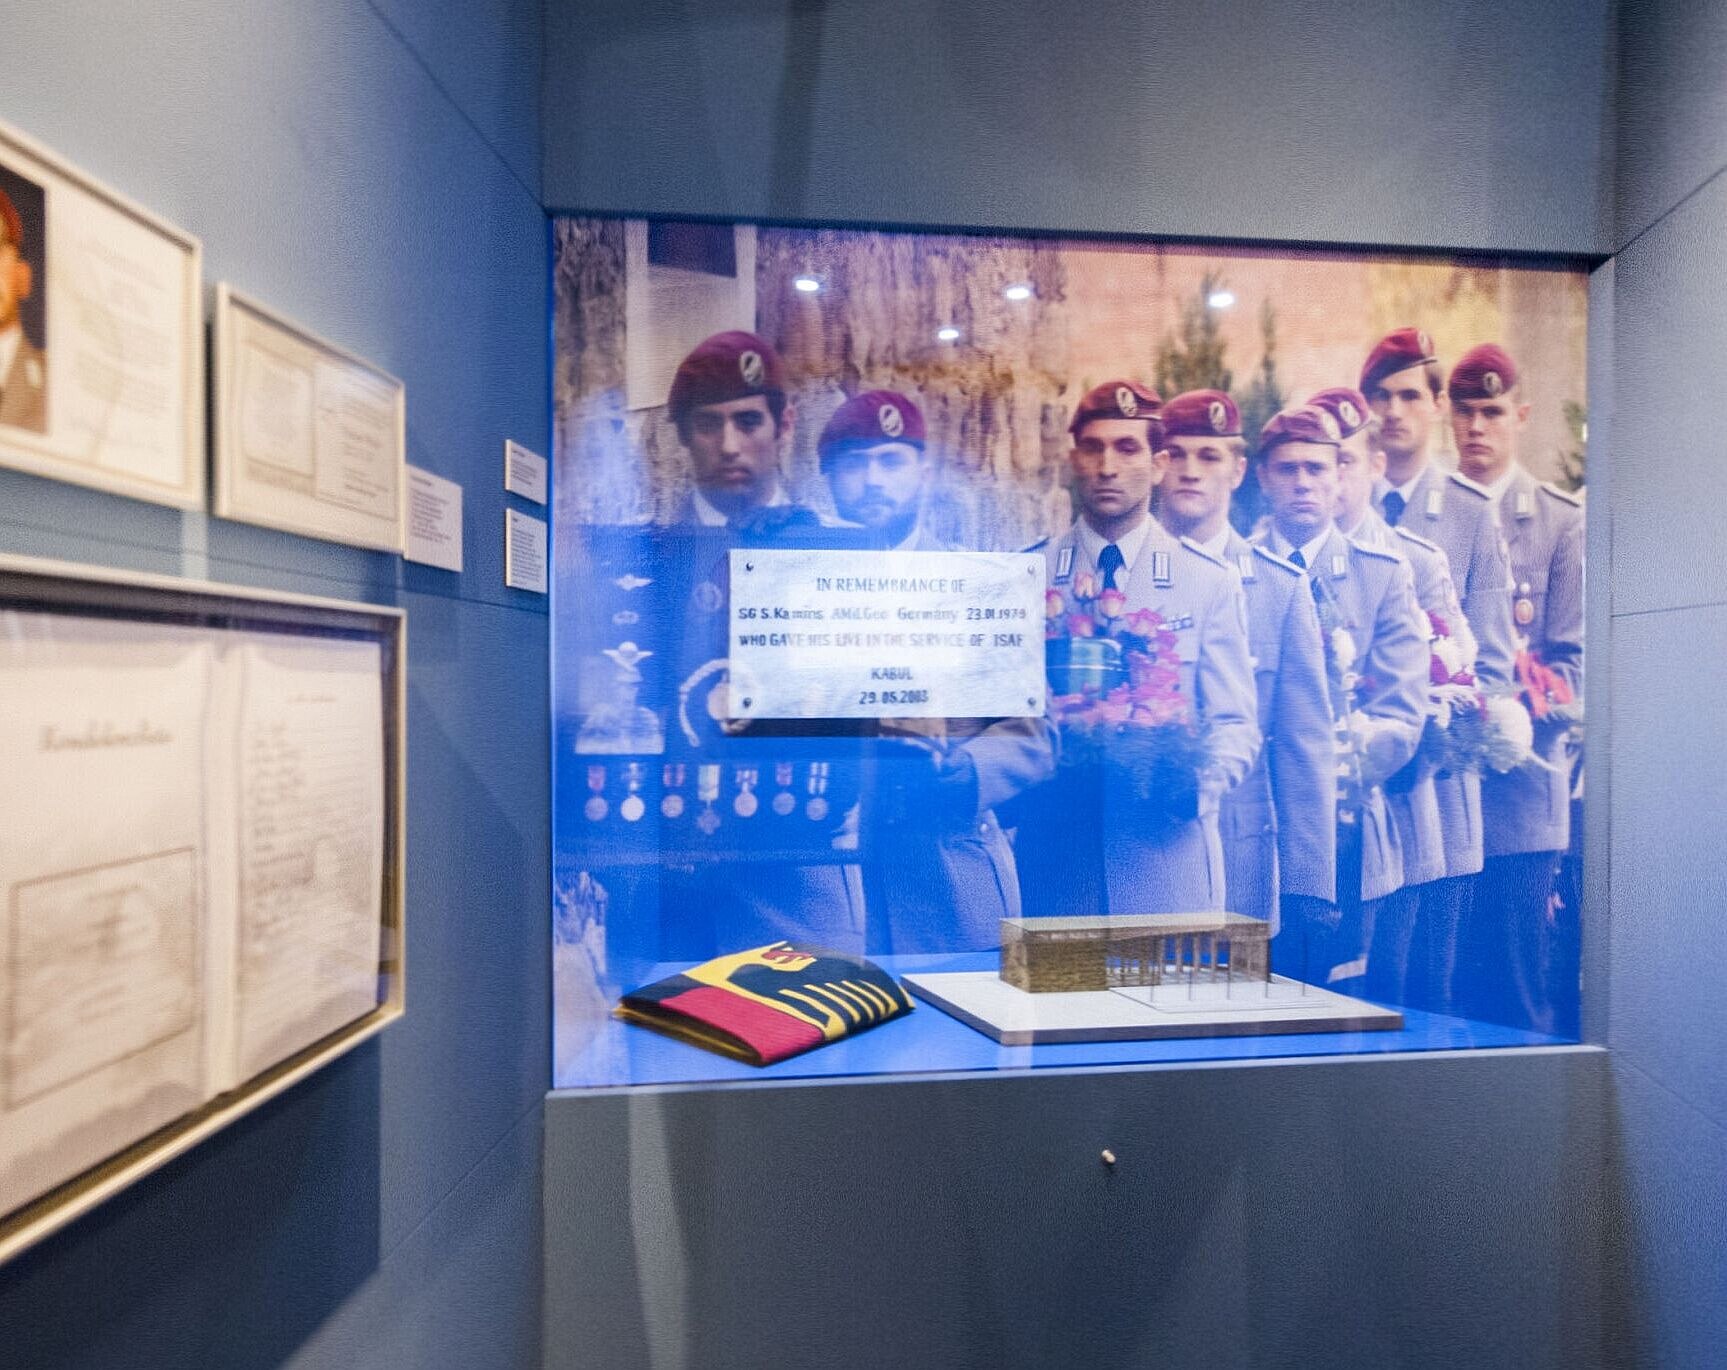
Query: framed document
[101,334]
[204,902]
[309,438]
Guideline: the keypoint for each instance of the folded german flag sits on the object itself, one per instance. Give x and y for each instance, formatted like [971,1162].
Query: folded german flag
[769,1003]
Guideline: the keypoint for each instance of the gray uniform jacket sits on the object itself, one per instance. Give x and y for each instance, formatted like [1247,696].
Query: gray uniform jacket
[948,888]
[1370,594]
[1167,867]
[1458,516]
[1277,824]
[1529,809]
[24,390]
[1438,816]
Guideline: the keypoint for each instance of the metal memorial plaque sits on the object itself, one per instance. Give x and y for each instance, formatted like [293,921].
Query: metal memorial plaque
[847,634]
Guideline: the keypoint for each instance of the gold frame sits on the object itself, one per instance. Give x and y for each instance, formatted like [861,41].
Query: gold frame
[53,585]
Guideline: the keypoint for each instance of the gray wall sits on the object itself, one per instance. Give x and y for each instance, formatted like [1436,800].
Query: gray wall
[372,169]
[1668,792]
[1475,124]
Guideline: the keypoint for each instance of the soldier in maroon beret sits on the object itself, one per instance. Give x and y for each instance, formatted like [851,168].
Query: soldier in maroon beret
[872,453]
[728,400]
[23,367]
[1520,951]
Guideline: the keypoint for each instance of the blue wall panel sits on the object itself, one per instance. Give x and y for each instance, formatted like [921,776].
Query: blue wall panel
[1475,124]
[370,171]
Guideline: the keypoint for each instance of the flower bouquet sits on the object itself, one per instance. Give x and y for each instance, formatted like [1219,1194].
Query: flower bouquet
[1116,697]
[1468,728]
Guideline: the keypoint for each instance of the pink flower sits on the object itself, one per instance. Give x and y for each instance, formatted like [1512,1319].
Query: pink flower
[1436,672]
[1053,604]
[1111,603]
[1081,625]
[1085,586]
[1439,626]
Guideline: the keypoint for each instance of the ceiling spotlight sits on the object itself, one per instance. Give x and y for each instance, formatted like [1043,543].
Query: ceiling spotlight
[1018,292]
[947,333]
[1221,299]
[808,284]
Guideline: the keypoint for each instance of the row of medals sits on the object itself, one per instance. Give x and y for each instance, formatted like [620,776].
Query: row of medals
[745,802]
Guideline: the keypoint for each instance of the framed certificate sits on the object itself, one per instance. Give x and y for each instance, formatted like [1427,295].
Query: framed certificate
[309,438]
[229,917]
[101,334]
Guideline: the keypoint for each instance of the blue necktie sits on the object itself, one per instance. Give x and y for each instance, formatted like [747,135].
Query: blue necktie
[1394,507]
[1297,558]
[1109,561]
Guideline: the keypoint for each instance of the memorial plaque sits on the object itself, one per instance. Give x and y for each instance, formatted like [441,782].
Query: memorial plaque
[847,634]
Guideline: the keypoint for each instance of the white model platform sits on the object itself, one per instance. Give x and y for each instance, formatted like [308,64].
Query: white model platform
[1197,1008]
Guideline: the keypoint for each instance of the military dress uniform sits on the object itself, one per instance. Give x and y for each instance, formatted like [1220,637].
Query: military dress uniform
[1368,595]
[1414,943]
[938,871]
[1082,850]
[1278,827]
[1524,952]
[726,906]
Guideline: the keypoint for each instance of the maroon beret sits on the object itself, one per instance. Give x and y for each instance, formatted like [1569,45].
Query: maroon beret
[1201,414]
[1302,423]
[1345,405]
[1485,373]
[727,366]
[1116,400]
[10,222]
[1397,351]
[876,416]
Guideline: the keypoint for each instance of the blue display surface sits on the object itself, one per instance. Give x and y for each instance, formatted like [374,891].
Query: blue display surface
[929,1040]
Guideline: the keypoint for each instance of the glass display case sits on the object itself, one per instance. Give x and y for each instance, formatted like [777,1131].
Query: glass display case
[982,652]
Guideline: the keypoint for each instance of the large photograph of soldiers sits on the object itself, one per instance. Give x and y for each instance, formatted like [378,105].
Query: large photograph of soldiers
[1313,533]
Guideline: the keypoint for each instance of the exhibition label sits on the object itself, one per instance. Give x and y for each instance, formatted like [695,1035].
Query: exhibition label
[846,634]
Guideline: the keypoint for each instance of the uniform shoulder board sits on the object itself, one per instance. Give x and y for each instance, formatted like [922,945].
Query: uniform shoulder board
[1458,478]
[1261,550]
[1037,546]
[1367,549]
[1193,546]
[1570,497]
[1416,538]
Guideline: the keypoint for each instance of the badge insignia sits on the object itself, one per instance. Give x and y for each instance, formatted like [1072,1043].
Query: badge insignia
[624,617]
[708,822]
[631,582]
[1522,504]
[1127,401]
[672,806]
[1492,384]
[817,809]
[744,806]
[1160,568]
[1424,341]
[1351,415]
[891,420]
[1245,562]
[1329,424]
[1064,566]
[1524,612]
[708,597]
[784,803]
[632,808]
[595,809]
[1434,502]
[750,367]
[1218,415]
[1339,566]
[1179,624]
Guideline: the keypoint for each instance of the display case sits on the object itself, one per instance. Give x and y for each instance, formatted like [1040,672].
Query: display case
[980,652]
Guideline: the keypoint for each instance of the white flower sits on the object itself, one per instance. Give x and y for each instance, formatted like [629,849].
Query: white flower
[1450,653]
[1511,721]
[1342,648]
